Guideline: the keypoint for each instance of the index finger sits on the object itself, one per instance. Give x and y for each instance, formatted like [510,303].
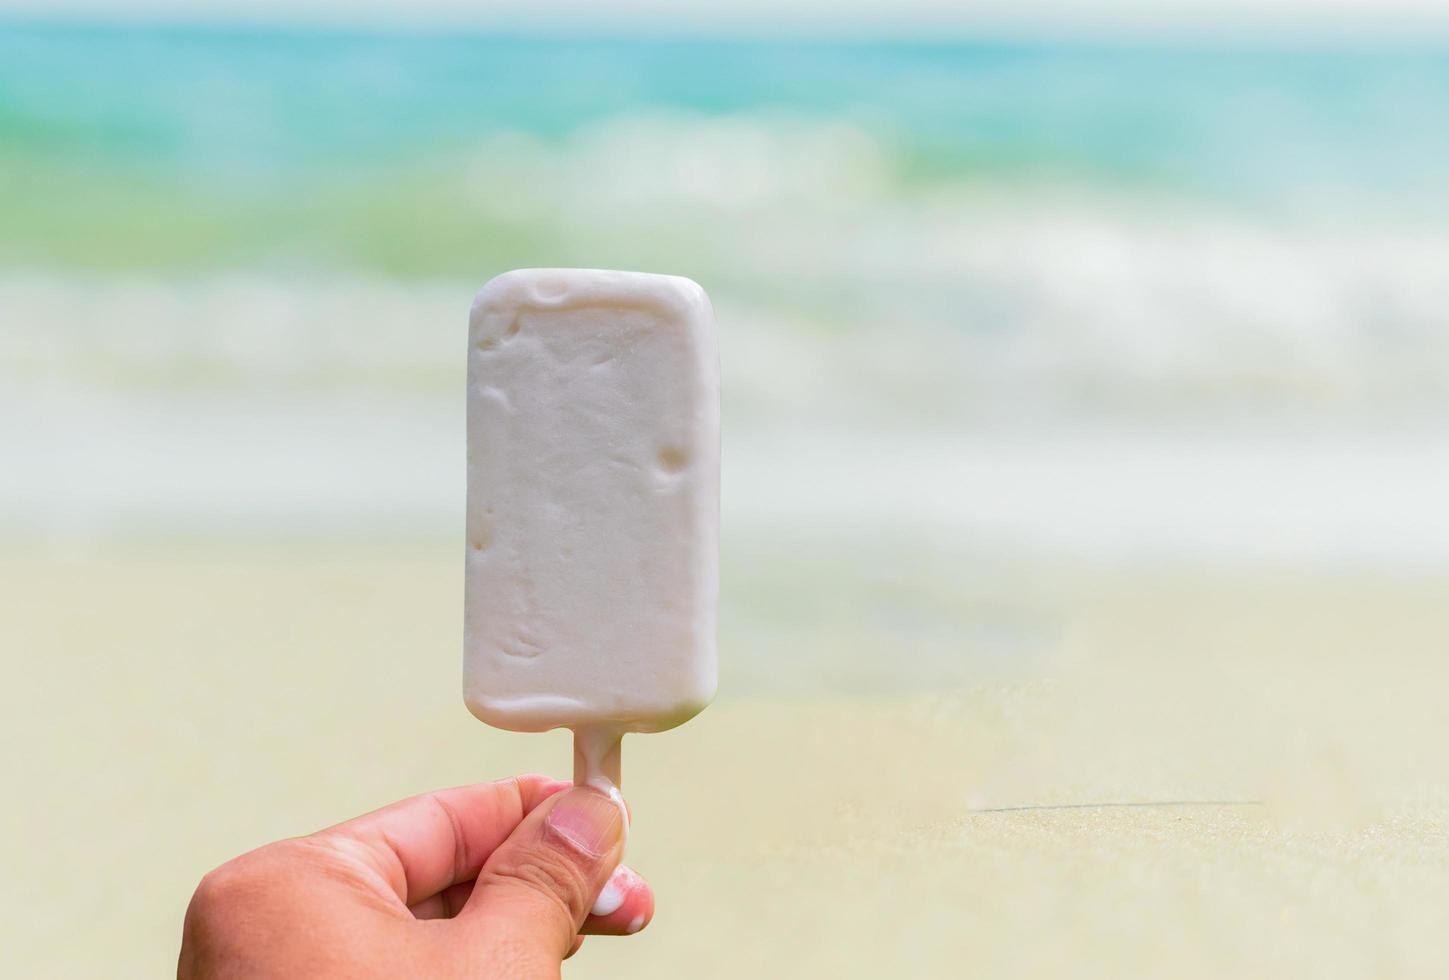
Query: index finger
[422,845]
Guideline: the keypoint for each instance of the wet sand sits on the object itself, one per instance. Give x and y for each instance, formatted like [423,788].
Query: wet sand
[1171,774]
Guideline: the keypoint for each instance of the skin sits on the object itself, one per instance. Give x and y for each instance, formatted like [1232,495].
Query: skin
[491,880]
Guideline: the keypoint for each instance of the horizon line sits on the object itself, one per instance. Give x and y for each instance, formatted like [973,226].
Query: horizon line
[1291,26]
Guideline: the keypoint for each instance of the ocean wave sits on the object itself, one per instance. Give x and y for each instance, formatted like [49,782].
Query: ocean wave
[975,310]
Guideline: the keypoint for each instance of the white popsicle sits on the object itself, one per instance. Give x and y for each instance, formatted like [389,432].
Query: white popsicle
[593,506]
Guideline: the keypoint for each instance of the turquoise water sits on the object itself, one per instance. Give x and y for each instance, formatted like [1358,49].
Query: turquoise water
[199,140]
[259,103]
[234,267]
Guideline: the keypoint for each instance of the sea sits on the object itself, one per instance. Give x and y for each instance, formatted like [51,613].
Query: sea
[1156,298]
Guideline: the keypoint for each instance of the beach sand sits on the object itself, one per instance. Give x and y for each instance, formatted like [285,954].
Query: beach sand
[1145,773]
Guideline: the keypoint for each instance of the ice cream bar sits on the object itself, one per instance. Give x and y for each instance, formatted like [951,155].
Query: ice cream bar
[593,506]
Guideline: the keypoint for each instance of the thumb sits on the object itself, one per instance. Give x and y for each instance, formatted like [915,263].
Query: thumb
[536,888]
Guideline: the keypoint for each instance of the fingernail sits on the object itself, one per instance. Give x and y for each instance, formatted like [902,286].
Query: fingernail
[587,819]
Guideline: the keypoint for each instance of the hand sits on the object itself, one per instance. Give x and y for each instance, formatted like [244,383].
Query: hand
[495,880]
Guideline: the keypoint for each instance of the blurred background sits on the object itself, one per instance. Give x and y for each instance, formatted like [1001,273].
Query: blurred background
[1086,400]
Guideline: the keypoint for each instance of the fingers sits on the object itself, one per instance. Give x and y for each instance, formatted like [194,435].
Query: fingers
[423,845]
[445,904]
[538,887]
[624,906]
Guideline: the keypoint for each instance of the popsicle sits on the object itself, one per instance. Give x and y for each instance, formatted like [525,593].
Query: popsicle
[593,507]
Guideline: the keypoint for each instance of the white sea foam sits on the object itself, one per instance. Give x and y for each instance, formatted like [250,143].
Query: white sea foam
[1083,379]
[978,311]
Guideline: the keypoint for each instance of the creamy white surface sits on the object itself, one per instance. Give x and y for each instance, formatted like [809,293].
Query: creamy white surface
[593,501]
